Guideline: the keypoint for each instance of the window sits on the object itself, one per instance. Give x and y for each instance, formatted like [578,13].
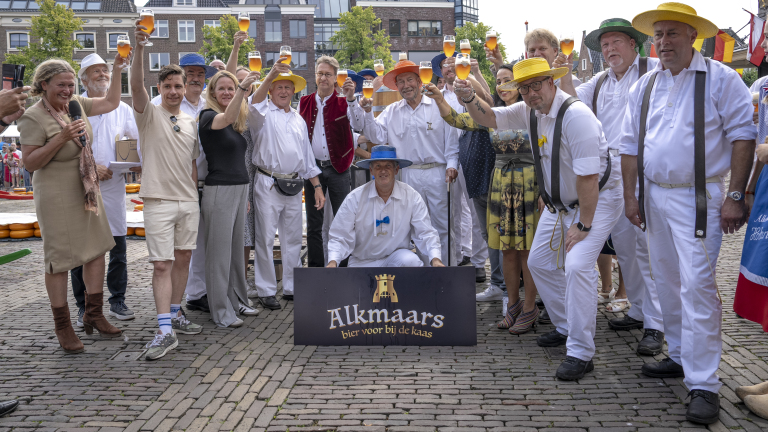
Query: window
[329,8]
[153,92]
[299,60]
[394,27]
[182,54]
[271,58]
[425,28]
[78,5]
[298,28]
[5,4]
[19,4]
[253,29]
[323,33]
[94,6]
[86,40]
[112,39]
[17,40]
[212,23]
[186,31]
[184,3]
[583,64]
[158,60]
[161,29]
[274,32]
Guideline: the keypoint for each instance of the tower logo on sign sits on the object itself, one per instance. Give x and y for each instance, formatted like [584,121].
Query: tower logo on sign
[385,288]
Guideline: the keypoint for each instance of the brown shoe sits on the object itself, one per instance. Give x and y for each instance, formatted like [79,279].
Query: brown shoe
[64,331]
[94,317]
[755,390]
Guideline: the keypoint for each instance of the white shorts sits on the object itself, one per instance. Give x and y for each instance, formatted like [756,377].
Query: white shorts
[170,225]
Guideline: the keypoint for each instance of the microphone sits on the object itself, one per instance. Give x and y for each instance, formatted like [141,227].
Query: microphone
[76,114]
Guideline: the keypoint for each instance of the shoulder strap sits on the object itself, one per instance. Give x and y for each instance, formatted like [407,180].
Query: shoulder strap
[533,135]
[699,164]
[555,173]
[642,66]
[641,146]
[599,85]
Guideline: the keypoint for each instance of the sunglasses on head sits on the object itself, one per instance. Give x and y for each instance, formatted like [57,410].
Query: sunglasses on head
[176,127]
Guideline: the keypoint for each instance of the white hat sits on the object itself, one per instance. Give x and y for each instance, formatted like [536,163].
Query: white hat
[90,60]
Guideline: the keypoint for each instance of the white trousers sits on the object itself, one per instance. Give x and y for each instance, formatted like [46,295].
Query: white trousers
[275,212]
[195,289]
[471,230]
[683,267]
[430,184]
[398,258]
[570,294]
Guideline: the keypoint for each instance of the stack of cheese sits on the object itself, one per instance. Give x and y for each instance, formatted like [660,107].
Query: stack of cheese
[138,207]
[132,188]
[135,231]
[20,231]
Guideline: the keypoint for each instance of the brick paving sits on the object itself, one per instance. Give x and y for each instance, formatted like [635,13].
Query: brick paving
[254,379]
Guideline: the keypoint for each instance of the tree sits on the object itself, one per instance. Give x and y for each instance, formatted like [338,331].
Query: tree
[749,76]
[476,35]
[575,55]
[54,26]
[219,41]
[359,44]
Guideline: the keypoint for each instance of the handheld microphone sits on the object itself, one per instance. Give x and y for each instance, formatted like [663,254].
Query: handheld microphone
[76,114]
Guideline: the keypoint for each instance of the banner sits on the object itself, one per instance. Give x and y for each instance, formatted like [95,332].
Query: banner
[385,306]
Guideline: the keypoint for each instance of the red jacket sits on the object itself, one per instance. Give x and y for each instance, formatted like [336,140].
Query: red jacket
[338,132]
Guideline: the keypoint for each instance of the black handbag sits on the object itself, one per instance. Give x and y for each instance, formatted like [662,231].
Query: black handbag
[289,187]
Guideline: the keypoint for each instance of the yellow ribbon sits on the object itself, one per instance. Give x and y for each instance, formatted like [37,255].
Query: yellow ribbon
[542,140]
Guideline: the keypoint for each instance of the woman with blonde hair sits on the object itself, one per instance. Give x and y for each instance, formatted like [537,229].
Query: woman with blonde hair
[221,128]
[68,203]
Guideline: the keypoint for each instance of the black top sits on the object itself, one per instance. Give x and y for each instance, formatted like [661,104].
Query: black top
[225,152]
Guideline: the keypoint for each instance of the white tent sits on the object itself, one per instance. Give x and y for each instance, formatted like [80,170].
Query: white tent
[10,132]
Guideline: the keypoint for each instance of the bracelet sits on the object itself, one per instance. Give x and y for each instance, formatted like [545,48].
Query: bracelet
[351,101]
[745,192]
[245,90]
[3,124]
[317,186]
[470,99]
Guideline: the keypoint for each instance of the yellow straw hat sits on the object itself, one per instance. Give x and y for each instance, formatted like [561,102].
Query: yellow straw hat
[298,82]
[531,68]
[675,12]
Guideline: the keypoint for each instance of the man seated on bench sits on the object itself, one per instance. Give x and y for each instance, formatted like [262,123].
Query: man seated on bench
[377,221]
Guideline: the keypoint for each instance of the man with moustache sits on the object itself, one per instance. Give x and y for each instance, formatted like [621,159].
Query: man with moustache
[606,94]
[193,102]
[688,122]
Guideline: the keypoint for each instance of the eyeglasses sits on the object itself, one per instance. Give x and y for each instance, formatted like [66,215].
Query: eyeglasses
[535,86]
[176,127]
[324,75]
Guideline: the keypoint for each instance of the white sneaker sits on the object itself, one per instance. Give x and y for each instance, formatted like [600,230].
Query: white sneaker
[504,305]
[492,293]
[247,311]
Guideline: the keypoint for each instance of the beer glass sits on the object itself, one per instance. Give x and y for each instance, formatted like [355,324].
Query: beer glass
[465,46]
[449,45]
[124,46]
[425,72]
[566,44]
[368,89]
[462,66]
[403,56]
[254,61]
[285,51]
[490,40]
[341,76]
[378,67]
[244,21]
[148,21]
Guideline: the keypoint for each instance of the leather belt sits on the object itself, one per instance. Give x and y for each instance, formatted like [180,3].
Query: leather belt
[504,161]
[426,165]
[323,163]
[276,175]
[713,179]
[614,152]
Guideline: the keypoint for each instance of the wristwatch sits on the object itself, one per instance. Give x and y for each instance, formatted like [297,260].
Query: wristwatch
[582,228]
[736,195]
[3,124]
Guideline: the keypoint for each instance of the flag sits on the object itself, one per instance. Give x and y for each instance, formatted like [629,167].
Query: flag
[697,44]
[756,36]
[740,71]
[724,47]
[653,52]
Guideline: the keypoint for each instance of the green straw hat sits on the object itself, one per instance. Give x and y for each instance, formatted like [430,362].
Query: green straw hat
[592,41]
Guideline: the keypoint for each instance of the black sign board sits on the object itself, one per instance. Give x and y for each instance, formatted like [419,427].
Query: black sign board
[385,306]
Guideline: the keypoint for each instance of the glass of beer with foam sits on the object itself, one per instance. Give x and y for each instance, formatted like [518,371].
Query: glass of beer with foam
[124,46]
[378,67]
[490,40]
[285,51]
[341,76]
[449,45]
[254,61]
[462,66]
[244,21]
[148,21]
[425,72]
[566,44]
[465,47]
[403,56]
[368,89]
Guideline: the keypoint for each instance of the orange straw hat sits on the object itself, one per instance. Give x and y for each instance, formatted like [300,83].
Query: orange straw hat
[675,12]
[390,79]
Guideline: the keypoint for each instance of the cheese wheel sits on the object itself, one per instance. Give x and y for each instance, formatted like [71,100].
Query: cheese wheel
[4,227]
[36,225]
[17,227]
[130,231]
[139,232]
[20,234]
[5,233]
[37,233]
[19,190]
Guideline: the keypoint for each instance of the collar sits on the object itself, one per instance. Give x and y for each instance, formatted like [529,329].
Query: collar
[273,107]
[560,97]
[424,101]
[397,192]
[635,64]
[325,99]
[200,101]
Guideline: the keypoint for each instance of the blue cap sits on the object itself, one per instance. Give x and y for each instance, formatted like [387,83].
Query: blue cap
[370,72]
[357,79]
[195,59]
[383,153]
[436,69]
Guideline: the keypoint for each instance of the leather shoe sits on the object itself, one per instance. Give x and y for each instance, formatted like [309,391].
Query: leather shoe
[464,261]
[200,304]
[572,368]
[666,368]
[625,323]
[704,407]
[652,343]
[540,303]
[479,274]
[288,297]
[270,303]
[8,407]
[551,339]
[544,317]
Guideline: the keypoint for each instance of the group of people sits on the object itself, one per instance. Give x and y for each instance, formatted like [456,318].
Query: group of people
[552,168]
[13,173]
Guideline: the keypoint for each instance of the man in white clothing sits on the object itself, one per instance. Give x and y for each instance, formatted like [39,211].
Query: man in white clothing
[376,222]
[414,127]
[606,94]
[688,123]
[283,157]
[578,182]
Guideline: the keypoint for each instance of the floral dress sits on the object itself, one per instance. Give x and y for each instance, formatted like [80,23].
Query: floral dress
[513,194]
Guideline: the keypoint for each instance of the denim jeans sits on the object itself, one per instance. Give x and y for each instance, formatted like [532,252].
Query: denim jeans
[117,275]
[494,255]
[338,187]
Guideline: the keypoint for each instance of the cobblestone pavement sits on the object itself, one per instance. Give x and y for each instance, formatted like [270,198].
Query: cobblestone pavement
[254,378]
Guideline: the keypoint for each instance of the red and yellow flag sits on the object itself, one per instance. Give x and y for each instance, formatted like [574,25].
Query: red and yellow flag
[724,47]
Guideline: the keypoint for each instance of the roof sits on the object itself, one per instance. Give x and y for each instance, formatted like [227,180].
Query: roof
[81,6]
[596,57]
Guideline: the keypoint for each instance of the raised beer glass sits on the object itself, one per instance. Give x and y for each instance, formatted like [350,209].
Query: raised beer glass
[378,67]
[148,21]
[254,61]
[449,45]
[124,46]
[285,51]
[462,66]
[491,40]
[425,72]
[566,44]
[465,46]
[368,89]
[244,21]
[341,76]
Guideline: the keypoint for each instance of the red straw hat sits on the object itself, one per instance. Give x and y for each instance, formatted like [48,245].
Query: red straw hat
[390,79]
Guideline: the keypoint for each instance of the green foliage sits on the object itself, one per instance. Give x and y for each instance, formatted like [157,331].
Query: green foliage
[360,45]
[749,76]
[219,41]
[575,55]
[55,25]
[476,35]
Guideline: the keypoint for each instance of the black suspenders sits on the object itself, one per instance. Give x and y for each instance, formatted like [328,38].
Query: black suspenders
[553,202]
[699,165]
[642,67]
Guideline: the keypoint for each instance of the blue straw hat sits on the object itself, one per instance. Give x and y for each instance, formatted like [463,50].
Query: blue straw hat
[437,61]
[383,153]
[198,60]
[357,79]
[370,72]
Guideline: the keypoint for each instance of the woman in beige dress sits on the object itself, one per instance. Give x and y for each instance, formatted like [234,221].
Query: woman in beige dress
[68,204]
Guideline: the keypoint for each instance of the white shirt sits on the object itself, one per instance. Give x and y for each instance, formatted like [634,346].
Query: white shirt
[192,110]
[354,229]
[319,143]
[583,148]
[419,135]
[281,140]
[453,100]
[668,153]
[612,100]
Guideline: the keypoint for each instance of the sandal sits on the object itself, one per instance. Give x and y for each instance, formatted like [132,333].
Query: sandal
[617,305]
[512,313]
[525,322]
[604,297]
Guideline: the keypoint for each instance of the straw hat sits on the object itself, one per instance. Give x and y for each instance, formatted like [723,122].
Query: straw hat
[90,60]
[390,79]
[298,82]
[383,153]
[437,64]
[675,12]
[531,68]
[592,41]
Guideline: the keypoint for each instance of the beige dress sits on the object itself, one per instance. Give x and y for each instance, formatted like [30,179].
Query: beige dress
[71,235]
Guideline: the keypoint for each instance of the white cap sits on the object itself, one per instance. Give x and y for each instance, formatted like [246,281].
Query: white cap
[90,60]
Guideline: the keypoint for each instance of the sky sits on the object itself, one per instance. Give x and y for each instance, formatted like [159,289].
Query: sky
[561,17]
